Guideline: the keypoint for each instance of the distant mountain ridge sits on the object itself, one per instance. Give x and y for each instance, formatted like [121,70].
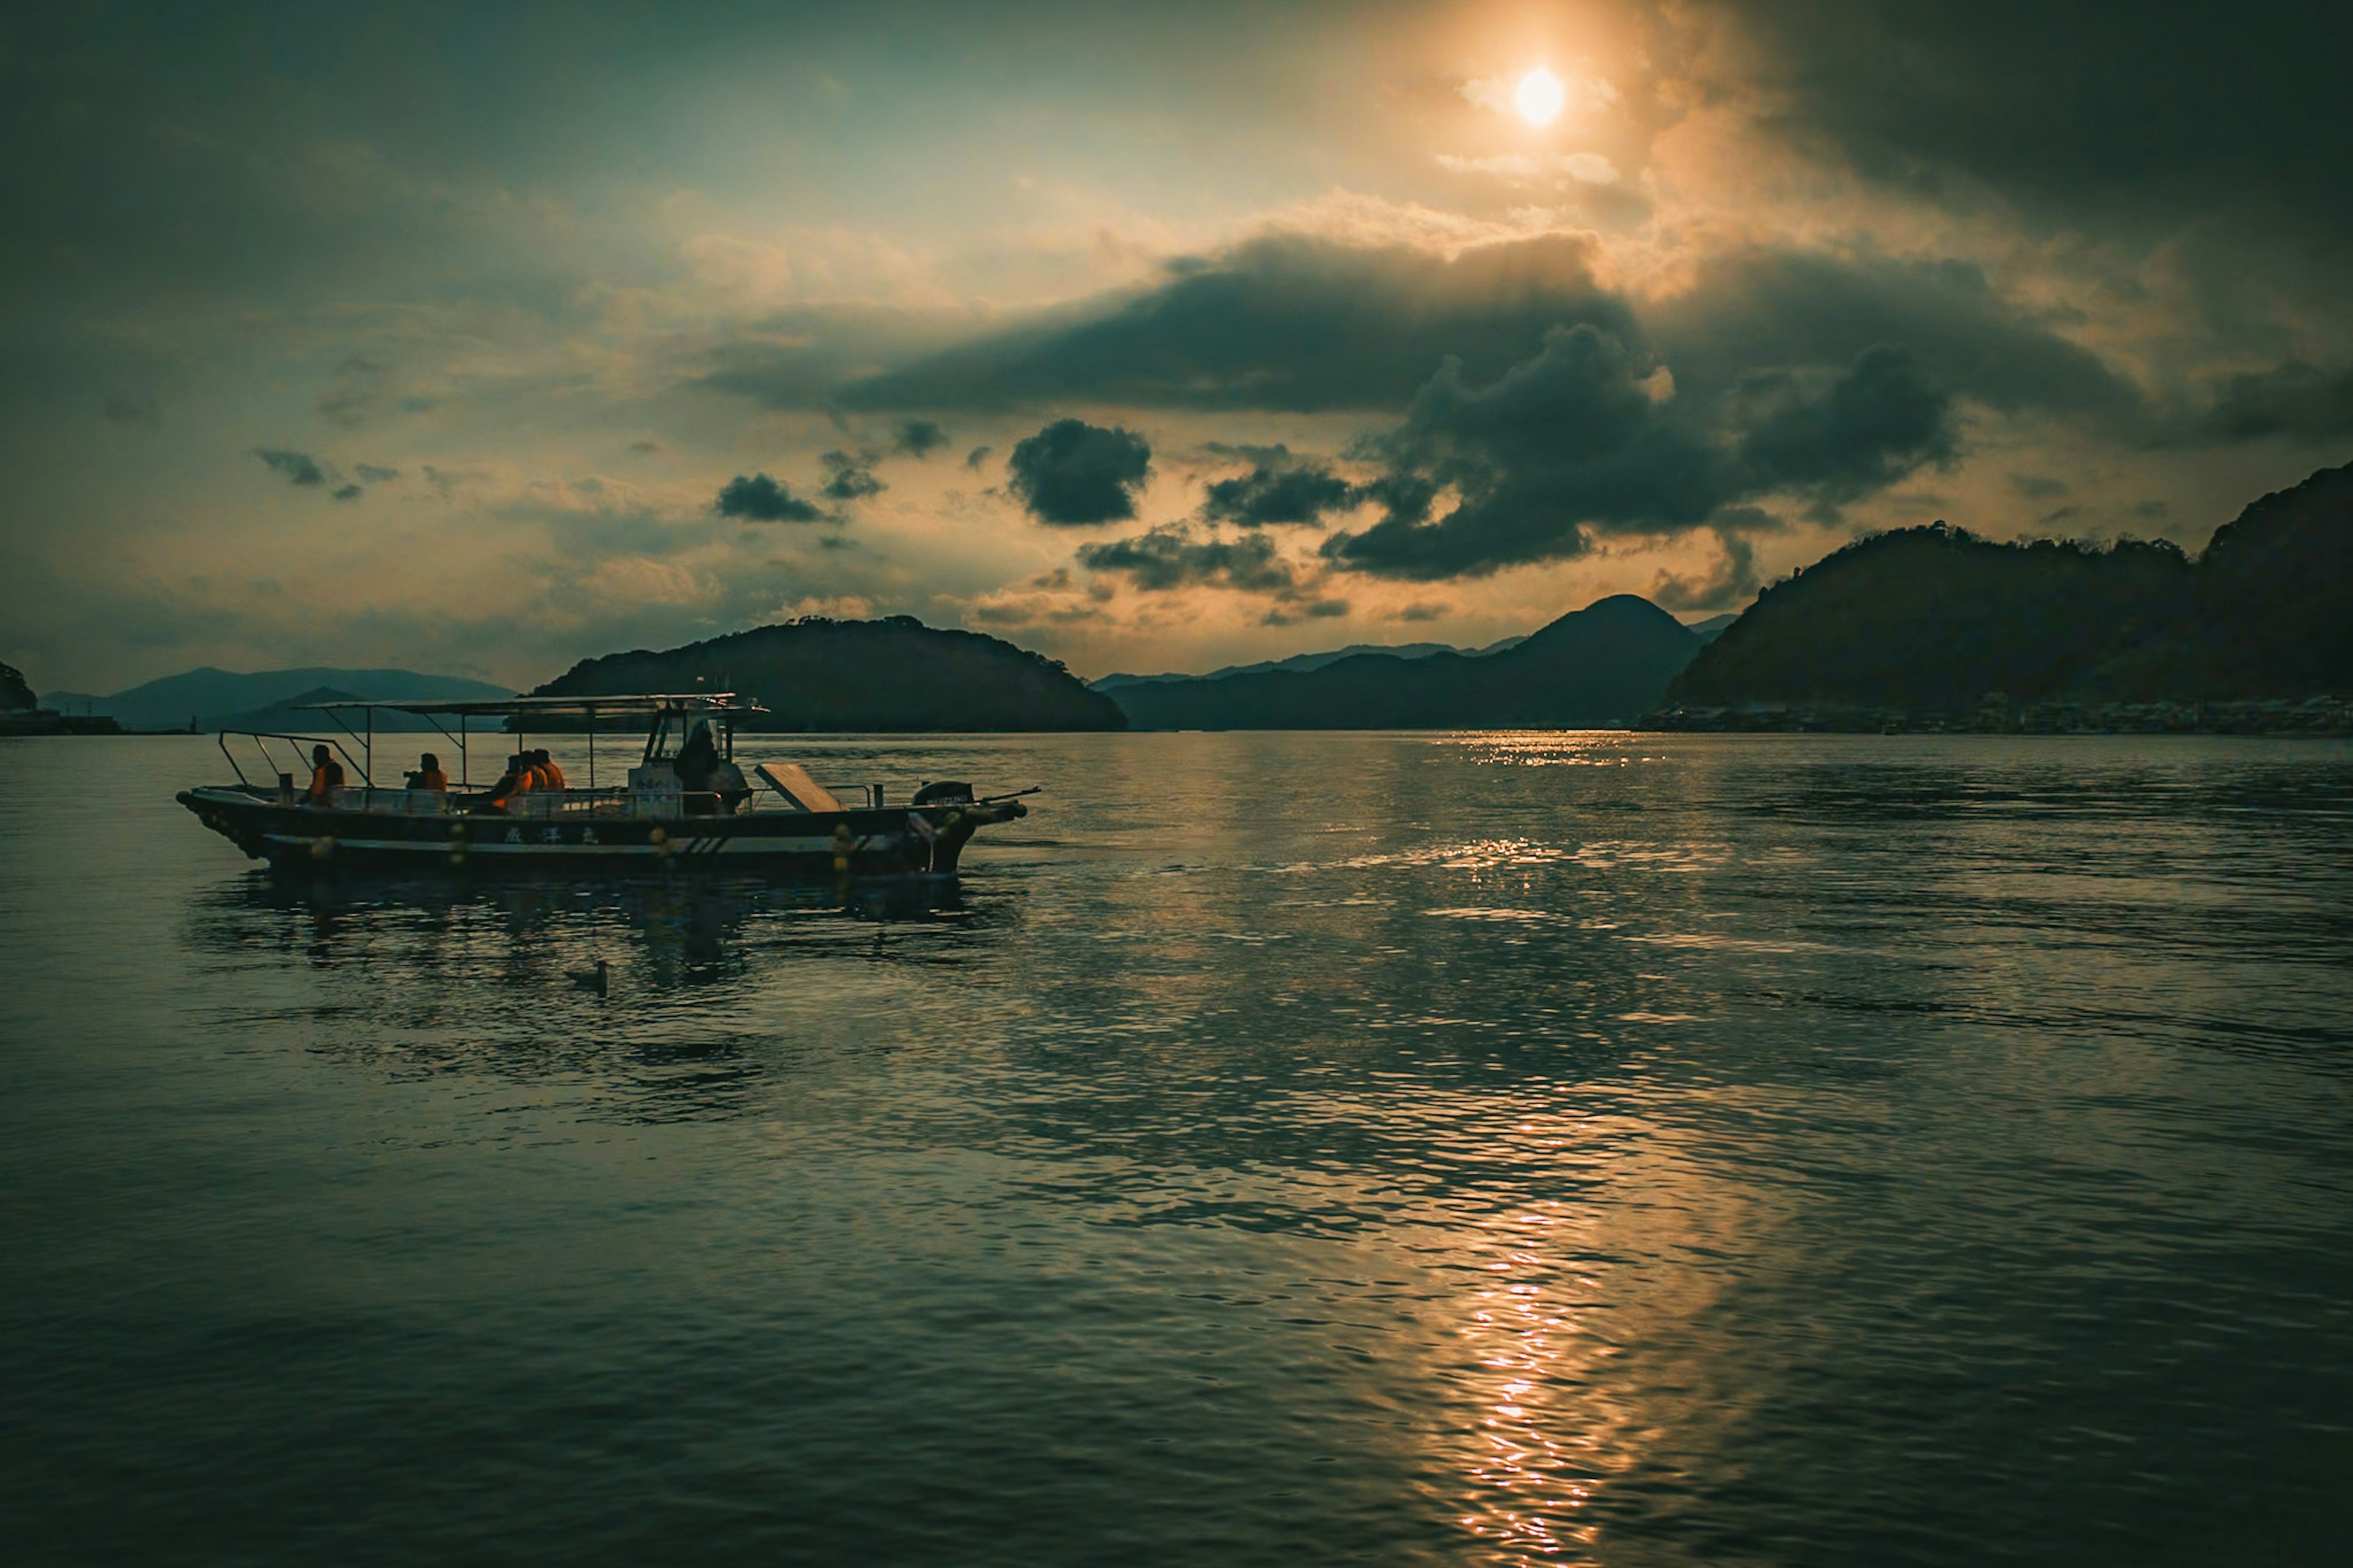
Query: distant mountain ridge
[221,698]
[1600,666]
[894,674]
[1938,619]
[1301,663]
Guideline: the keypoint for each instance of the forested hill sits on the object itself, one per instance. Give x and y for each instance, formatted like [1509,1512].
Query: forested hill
[891,674]
[1936,617]
[1599,665]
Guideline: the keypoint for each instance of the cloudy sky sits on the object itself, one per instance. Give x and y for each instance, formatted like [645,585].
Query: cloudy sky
[480,338]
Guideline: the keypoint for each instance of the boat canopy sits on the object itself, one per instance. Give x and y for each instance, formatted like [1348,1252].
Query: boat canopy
[641,705]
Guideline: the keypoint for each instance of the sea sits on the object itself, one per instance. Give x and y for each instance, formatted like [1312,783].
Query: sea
[1280,1148]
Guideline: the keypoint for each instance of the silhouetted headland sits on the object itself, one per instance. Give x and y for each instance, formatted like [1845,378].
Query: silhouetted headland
[892,674]
[1935,628]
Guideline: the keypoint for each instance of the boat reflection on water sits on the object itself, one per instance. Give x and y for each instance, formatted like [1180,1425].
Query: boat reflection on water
[713,982]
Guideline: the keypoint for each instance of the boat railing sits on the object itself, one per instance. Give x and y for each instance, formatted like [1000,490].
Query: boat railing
[282,780]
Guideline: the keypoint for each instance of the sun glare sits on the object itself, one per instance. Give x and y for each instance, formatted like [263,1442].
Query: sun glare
[1538,97]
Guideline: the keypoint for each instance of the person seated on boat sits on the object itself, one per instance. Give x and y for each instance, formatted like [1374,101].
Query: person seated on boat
[326,777]
[550,776]
[512,783]
[428,774]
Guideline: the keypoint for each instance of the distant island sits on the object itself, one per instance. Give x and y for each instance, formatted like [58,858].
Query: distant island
[207,698]
[1598,667]
[1936,628]
[1303,663]
[892,674]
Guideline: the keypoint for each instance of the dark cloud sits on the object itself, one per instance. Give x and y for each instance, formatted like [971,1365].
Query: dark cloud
[2297,401]
[1287,322]
[349,492]
[850,476]
[1876,423]
[375,474]
[1312,610]
[2150,511]
[649,445]
[976,457]
[1572,437]
[2037,486]
[1299,494]
[1582,439]
[762,500]
[298,467]
[918,438]
[1762,310]
[1170,557]
[2091,111]
[1073,473]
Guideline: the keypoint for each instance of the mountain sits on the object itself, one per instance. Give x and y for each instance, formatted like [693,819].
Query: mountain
[891,674]
[1301,663]
[1713,628]
[1937,617]
[1599,665]
[220,698]
[299,715]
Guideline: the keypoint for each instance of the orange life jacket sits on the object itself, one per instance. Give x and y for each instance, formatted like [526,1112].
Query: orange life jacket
[431,778]
[325,779]
[552,774]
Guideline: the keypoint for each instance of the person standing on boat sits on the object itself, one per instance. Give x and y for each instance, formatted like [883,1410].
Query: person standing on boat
[428,774]
[326,777]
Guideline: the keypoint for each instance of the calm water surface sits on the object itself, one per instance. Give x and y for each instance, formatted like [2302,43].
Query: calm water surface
[1398,1149]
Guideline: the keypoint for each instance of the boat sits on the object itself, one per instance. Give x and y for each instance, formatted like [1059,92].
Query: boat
[773,820]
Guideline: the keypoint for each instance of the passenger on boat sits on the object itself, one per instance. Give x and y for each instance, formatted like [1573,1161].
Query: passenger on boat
[326,777]
[551,776]
[514,781]
[428,774]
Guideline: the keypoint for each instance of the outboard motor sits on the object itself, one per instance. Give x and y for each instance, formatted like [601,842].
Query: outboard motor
[947,792]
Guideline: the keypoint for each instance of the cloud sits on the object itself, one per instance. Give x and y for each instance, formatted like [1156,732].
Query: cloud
[2180,119]
[762,500]
[375,474]
[1523,168]
[2038,486]
[1877,422]
[349,492]
[1073,474]
[976,457]
[918,438]
[1567,438]
[358,391]
[849,477]
[1311,609]
[1574,442]
[1288,323]
[1735,580]
[1170,557]
[300,469]
[2296,400]
[1278,493]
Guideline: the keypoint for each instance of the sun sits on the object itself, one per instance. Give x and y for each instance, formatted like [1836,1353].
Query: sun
[1539,97]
